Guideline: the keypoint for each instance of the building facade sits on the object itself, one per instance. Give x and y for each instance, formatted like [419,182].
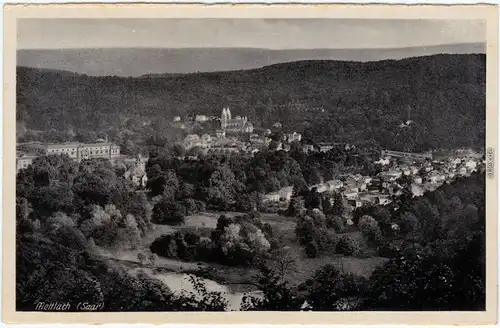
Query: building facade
[128,161]
[291,137]
[24,160]
[137,175]
[400,154]
[193,140]
[76,151]
[201,118]
[223,150]
[239,124]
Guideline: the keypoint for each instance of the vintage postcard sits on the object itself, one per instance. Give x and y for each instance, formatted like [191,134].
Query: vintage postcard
[298,164]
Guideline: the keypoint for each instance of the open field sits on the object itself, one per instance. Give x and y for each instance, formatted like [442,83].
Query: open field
[203,220]
[285,226]
[209,220]
[306,267]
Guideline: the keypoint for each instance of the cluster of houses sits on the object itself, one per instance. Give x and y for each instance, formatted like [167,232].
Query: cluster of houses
[422,173]
[133,166]
[236,135]
[325,147]
[227,123]
[222,144]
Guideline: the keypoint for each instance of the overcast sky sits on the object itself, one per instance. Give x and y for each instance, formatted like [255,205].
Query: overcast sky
[250,33]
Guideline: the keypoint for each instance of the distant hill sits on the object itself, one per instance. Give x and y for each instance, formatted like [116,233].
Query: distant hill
[142,61]
[443,94]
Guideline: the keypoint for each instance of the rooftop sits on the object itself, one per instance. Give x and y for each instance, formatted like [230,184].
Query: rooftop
[26,156]
[135,171]
[78,144]
[65,144]
[98,144]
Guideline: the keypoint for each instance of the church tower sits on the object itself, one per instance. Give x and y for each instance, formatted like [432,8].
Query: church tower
[224,118]
[228,113]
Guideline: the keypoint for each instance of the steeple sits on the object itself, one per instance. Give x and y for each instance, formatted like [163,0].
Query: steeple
[223,114]
[224,118]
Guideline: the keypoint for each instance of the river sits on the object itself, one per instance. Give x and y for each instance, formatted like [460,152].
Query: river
[179,282]
[175,281]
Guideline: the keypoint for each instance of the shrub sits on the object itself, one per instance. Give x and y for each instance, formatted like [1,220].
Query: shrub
[296,207]
[328,288]
[314,229]
[305,230]
[239,254]
[168,212]
[190,205]
[231,243]
[319,218]
[410,226]
[141,257]
[347,246]
[370,229]
[311,249]
[205,251]
[240,240]
[331,239]
[258,242]
[388,251]
[165,246]
[191,237]
[185,251]
[152,258]
[336,223]
[200,205]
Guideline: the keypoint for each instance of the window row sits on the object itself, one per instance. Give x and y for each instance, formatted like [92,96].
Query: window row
[96,152]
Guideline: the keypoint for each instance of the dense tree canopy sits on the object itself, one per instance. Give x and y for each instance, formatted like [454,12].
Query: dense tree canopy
[437,260]
[63,210]
[444,96]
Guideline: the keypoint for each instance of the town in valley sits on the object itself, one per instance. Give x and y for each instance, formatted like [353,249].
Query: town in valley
[235,135]
[319,176]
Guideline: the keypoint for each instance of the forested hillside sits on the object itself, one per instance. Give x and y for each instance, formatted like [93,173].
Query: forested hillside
[443,94]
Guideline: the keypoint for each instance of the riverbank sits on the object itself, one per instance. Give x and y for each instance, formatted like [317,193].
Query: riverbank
[233,281]
[237,279]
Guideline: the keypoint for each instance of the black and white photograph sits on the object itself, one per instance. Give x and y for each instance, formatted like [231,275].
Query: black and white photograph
[251,164]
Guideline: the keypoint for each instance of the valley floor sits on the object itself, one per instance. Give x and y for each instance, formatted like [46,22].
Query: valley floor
[240,279]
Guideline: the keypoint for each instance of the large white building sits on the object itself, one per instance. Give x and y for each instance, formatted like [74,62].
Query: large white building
[24,160]
[77,151]
[80,151]
[201,118]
